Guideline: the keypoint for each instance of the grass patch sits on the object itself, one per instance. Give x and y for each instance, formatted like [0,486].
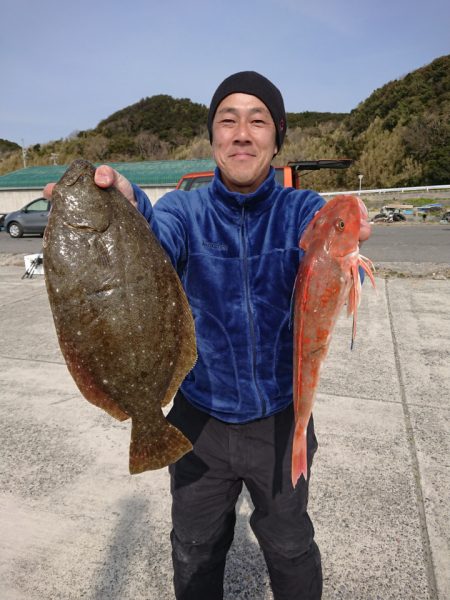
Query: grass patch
[422,201]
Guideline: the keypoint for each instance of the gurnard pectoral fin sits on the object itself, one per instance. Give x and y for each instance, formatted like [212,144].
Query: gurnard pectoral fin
[355,291]
[368,267]
[156,445]
[299,455]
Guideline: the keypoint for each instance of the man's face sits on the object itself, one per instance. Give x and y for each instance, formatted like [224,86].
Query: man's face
[243,142]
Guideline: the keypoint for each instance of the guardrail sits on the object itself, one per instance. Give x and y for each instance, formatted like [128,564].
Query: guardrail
[423,188]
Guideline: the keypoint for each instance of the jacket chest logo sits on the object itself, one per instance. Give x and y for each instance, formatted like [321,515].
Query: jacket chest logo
[215,245]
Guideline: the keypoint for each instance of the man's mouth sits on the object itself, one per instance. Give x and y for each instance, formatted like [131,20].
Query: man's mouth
[242,155]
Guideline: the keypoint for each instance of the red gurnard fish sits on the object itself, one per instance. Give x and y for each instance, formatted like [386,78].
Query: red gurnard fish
[328,276]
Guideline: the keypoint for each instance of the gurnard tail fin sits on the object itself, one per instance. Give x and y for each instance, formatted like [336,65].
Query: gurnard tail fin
[155,447]
[299,455]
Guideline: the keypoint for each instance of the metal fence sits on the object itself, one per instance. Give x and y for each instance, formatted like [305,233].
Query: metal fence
[400,190]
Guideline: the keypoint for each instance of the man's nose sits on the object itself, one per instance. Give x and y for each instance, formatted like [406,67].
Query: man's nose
[243,131]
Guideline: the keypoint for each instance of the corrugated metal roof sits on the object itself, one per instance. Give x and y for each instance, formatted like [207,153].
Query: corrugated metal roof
[147,173]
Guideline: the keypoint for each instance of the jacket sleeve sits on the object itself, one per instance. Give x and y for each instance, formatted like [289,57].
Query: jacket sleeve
[311,204]
[167,222]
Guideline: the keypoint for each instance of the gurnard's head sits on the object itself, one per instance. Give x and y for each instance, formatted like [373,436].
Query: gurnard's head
[336,226]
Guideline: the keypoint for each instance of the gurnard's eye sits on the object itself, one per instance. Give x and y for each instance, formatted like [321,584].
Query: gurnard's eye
[340,225]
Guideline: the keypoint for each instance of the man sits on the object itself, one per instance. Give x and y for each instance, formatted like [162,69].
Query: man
[235,247]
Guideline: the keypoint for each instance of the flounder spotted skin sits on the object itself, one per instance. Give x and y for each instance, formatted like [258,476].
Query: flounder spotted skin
[121,315]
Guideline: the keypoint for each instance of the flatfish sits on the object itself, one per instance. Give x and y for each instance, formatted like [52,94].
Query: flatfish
[122,318]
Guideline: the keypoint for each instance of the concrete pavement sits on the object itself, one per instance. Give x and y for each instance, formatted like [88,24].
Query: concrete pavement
[74,524]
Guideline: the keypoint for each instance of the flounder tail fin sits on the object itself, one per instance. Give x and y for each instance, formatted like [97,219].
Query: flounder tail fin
[156,446]
[299,455]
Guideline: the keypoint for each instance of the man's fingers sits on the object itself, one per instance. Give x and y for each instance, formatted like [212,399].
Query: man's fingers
[363,209]
[365,230]
[106,176]
[47,192]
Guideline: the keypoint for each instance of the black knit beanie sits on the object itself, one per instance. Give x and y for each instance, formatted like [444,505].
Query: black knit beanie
[250,82]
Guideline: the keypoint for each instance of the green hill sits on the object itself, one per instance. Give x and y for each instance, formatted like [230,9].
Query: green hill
[7,147]
[418,107]
[400,135]
[426,90]
[173,120]
[312,119]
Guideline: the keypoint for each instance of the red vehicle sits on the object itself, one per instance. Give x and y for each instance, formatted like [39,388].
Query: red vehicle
[288,176]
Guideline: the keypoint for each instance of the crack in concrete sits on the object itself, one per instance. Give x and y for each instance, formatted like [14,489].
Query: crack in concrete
[426,544]
[327,395]
[33,360]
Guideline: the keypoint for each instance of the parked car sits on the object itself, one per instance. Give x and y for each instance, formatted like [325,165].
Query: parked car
[446,216]
[2,220]
[32,218]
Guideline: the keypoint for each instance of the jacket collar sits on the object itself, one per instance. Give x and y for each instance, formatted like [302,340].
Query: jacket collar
[259,200]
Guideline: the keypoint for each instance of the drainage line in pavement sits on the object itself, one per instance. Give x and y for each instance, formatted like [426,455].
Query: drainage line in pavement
[426,546]
[33,360]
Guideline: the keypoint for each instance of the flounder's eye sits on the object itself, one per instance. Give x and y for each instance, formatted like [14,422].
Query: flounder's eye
[340,225]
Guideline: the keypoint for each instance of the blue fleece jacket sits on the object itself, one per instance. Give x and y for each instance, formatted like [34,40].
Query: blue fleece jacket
[237,256]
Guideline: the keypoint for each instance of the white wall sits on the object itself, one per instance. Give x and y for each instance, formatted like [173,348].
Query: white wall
[154,193]
[14,199]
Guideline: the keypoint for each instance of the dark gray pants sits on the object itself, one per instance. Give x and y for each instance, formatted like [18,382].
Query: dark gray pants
[206,484]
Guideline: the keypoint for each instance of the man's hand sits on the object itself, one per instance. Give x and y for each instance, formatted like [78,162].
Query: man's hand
[366,230]
[104,177]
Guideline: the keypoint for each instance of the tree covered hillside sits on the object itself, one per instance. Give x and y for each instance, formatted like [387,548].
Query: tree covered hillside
[399,136]
[416,109]
[7,147]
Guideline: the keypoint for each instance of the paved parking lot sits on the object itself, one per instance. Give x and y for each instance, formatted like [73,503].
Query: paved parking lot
[393,242]
[74,524]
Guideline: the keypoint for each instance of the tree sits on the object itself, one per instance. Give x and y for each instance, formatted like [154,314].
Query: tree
[150,146]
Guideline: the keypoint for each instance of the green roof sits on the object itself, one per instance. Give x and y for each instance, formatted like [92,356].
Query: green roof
[146,173]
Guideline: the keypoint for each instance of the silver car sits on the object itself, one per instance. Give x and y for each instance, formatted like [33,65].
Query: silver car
[32,218]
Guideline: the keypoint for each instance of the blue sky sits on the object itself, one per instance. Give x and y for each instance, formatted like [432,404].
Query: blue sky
[66,65]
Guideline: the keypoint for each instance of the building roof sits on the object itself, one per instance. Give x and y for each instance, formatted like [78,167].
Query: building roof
[146,173]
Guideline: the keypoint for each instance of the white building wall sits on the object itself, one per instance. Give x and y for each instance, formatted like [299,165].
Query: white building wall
[155,193]
[14,199]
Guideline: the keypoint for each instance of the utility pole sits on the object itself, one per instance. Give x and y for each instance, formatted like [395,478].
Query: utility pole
[24,154]
[360,181]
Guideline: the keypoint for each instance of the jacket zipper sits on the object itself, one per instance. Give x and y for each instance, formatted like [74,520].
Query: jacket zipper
[249,312]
